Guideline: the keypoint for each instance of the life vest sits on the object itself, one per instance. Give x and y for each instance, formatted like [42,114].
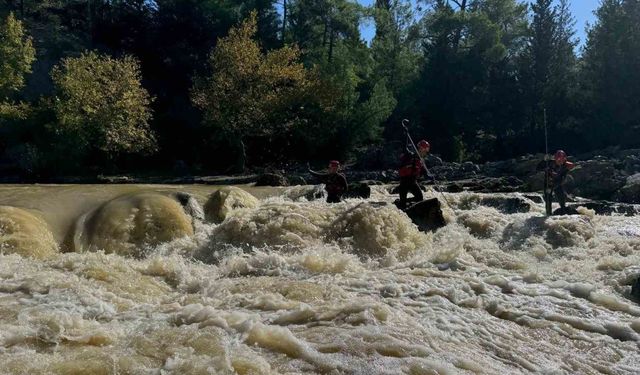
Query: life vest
[411,166]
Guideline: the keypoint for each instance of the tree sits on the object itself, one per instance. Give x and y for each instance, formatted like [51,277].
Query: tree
[610,75]
[16,56]
[395,48]
[252,94]
[469,51]
[101,105]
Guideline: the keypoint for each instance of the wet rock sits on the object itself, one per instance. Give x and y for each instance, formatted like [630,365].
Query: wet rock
[631,164]
[454,188]
[297,180]
[358,190]
[115,179]
[427,215]
[224,180]
[468,166]
[432,161]
[521,167]
[608,208]
[630,192]
[597,179]
[507,205]
[492,184]
[272,179]
[569,210]
[535,198]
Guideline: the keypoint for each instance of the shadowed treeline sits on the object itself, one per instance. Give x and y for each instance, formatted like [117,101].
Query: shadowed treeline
[199,86]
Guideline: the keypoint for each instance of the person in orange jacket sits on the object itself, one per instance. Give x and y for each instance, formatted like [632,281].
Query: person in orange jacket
[557,171]
[411,168]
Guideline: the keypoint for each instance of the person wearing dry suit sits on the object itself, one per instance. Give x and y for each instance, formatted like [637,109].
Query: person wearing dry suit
[557,171]
[335,182]
[411,168]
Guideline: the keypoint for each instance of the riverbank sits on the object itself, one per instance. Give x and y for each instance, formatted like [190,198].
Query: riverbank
[606,175]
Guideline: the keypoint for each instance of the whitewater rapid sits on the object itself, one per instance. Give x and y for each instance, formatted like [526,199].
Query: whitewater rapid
[130,280]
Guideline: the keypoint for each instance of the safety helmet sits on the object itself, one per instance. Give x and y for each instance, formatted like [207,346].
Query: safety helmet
[560,155]
[424,144]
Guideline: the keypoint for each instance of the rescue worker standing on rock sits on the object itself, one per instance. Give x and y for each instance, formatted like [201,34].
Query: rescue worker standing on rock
[411,168]
[335,182]
[557,171]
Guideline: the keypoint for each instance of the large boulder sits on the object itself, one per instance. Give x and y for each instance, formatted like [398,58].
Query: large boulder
[272,179]
[597,179]
[630,192]
[631,164]
[522,167]
[427,215]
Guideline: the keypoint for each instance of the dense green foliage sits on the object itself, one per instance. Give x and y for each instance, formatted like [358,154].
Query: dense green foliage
[100,105]
[16,56]
[266,81]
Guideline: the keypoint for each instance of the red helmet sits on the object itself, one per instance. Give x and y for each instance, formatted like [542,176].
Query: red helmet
[334,163]
[560,155]
[424,144]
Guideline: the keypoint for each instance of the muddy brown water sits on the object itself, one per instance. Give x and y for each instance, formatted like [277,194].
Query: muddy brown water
[119,279]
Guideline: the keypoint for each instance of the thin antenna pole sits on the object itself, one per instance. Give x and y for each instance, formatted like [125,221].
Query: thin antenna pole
[546,142]
[547,194]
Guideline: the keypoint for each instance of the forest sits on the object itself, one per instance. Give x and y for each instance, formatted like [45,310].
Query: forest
[222,86]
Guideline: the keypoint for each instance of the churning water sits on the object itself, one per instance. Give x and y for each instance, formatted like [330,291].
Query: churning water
[141,280]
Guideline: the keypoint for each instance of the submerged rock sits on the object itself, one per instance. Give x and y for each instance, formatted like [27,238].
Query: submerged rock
[25,234]
[225,200]
[128,224]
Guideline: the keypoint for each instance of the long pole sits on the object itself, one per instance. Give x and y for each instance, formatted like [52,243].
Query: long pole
[547,194]
[424,165]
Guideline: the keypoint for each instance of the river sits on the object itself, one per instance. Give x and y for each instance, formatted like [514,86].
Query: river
[125,279]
